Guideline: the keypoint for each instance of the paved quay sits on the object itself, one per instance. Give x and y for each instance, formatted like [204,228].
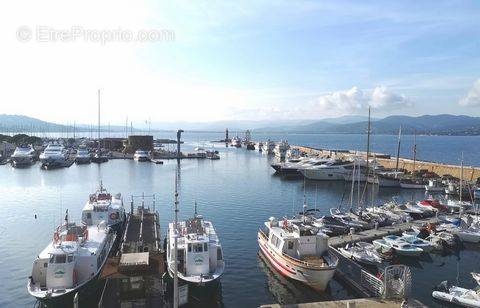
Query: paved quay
[353,303]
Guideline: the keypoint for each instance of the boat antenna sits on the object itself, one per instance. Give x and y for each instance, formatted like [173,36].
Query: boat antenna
[175,236]
[195,208]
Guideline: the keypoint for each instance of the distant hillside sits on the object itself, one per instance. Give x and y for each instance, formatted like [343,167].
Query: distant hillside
[21,123]
[442,124]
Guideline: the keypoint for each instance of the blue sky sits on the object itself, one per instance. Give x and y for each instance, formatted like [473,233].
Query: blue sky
[272,59]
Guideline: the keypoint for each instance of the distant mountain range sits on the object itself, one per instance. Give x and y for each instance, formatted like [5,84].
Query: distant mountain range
[443,124]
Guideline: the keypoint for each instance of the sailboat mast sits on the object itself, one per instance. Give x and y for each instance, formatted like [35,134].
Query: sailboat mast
[398,148]
[99,119]
[414,150]
[175,236]
[368,140]
[461,180]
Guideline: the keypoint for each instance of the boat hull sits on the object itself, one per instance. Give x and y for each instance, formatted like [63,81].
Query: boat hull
[323,175]
[317,278]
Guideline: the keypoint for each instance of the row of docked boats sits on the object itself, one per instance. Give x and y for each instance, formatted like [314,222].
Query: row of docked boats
[74,258]
[326,168]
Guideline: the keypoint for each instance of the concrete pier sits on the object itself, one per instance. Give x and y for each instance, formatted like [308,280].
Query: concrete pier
[353,303]
[369,235]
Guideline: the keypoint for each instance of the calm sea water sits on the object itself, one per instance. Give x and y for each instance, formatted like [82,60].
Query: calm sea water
[238,193]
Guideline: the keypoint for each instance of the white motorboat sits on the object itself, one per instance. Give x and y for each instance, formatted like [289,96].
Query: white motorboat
[74,258]
[332,170]
[268,147]
[426,246]
[54,155]
[434,186]
[457,295]
[293,167]
[408,183]
[199,252]
[298,251]
[361,254]
[102,206]
[141,155]
[281,149]
[467,235]
[456,205]
[23,156]
[236,142]
[401,246]
[386,179]
[83,156]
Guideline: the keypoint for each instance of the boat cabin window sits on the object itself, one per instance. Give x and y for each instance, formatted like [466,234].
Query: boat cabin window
[219,254]
[205,247]
[189,247]
[58,258]
[197,247]
[89,215]
[70,258]
[290,245]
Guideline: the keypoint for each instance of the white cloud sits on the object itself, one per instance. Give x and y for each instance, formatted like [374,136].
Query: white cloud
[355,101]
[343,102]
[383,98]
[473,97]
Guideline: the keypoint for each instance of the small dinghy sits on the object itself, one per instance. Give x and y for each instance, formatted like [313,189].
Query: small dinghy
[457,295]
[361,254]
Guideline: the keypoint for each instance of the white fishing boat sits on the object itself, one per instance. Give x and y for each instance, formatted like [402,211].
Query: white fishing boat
[361,254]
[457,295]
[23,156]
[141,155]
[70,262]
[199,252]
[53,155]
[298,251]
[281,149]
[83,156]
[102,206]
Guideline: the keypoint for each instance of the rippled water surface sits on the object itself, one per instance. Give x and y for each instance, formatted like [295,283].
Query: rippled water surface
[238,193]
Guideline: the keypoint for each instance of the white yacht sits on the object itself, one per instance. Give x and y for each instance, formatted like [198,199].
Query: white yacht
[281,149]
[74,258]
[23,156]
[102,206]
[236,142]
[54,154]
[141,155]
[83,156]
[299,251]
[268,147]
[335,169]
[199,252]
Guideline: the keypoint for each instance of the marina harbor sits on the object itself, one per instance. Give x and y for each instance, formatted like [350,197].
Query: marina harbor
[341,237]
